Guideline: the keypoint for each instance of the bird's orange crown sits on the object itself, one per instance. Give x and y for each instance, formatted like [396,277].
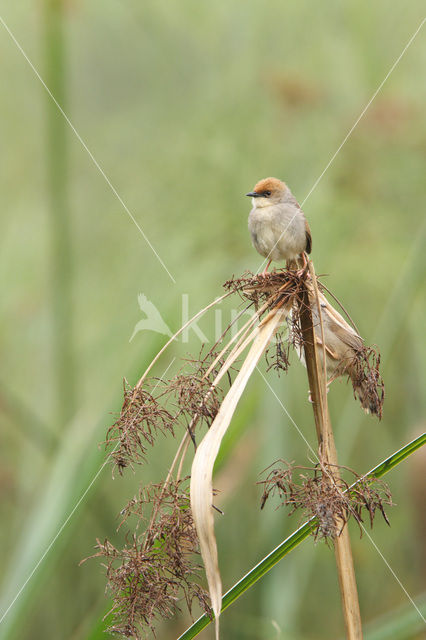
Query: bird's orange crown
[269,184]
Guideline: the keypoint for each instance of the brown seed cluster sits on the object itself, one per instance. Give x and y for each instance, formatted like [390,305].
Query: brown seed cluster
[196,400]
[142,417]
[277,286]
[367,382]
[162,406]
[319,493]
[277,355]
[154,573]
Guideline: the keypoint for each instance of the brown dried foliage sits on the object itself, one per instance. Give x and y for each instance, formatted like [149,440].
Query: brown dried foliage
[277,355]
[140,420]
[366,380]
[195,399]
[280,285]
[154,573]
[318,493]
[160,406]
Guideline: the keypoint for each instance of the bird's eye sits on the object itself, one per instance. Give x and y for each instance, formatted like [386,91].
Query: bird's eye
[267,193]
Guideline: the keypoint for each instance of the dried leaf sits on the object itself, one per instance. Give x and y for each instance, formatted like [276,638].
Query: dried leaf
[202,468]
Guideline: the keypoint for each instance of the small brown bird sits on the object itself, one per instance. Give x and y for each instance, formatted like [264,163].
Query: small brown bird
[278,227]
[344,350]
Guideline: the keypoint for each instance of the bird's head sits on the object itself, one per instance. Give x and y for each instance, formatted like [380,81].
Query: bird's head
[268,191]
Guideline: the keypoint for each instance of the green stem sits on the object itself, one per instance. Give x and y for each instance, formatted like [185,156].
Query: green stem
[295,539]
[57,186]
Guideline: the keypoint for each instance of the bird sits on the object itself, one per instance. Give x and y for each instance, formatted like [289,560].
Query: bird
[277,224]
[344,353]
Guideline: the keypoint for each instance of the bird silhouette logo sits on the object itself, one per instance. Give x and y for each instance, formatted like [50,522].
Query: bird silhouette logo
[153,320]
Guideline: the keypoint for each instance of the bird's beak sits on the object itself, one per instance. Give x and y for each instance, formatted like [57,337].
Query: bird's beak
[253,194]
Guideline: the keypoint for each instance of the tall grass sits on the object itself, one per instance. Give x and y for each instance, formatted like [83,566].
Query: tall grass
[58,182]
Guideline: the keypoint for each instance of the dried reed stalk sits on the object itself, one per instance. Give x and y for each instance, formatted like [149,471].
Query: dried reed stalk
[328,456]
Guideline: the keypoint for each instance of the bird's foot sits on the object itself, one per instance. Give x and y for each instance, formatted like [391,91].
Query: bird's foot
[265,273]
[303,273]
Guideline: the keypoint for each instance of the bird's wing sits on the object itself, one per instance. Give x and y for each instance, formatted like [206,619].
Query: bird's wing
[351,339]
[308,238]
[330,352]
[341,328]
[307,229]
[338,324]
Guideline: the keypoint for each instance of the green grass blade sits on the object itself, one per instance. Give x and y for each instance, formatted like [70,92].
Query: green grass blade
[294,540]
[402,624]
[58,174]
[397,457]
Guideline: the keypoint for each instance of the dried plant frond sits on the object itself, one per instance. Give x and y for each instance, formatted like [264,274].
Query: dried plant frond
[141,418]
[280,288]
[370,494]
[367,382]
[271,287]
[154,573]
[318,492]
[277,355]
[160,406]
[197,399]
[202,467]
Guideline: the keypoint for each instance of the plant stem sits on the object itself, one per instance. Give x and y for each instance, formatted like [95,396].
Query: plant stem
[57,181]
[328,456]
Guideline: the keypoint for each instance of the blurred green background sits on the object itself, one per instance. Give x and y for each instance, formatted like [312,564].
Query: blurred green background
[185,106]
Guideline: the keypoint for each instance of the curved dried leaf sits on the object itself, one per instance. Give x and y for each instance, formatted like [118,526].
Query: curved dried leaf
[202,467]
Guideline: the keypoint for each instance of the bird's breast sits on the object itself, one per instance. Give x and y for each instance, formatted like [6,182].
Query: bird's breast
[277,231]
